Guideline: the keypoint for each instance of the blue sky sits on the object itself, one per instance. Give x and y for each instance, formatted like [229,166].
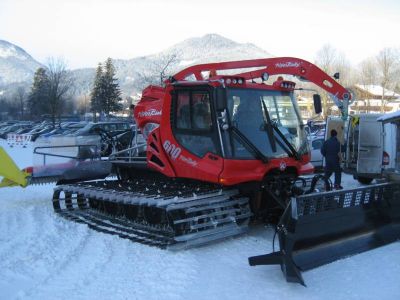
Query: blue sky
[85,32]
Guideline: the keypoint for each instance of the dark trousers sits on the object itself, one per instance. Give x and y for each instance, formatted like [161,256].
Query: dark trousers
[338,173]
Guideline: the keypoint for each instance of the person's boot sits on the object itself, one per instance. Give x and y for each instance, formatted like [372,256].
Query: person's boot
[338,187]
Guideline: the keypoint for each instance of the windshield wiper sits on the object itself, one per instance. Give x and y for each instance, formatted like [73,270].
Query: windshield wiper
[248,144]
[269,128]
[293,151]
[273,139]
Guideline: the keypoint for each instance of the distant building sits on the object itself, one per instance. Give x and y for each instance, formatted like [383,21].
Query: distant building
[368,100]
[306,107]
[374,99]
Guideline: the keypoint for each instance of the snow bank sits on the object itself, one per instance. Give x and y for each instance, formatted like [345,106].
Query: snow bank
[43,256]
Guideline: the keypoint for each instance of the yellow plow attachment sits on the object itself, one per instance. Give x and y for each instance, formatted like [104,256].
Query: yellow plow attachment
[12,175]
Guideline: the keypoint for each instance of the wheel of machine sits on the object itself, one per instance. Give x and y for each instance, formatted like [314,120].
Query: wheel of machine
[364,180]
[153,215]
[129,211]
[96,204]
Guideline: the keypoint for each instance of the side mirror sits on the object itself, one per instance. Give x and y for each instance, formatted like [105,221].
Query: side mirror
[317,103]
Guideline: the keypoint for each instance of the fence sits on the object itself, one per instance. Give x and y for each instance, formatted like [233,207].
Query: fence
[14,139]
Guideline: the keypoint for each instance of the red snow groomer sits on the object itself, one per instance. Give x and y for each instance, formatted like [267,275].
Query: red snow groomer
[225,144]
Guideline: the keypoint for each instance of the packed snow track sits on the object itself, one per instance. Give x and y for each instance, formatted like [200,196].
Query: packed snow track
[45,256]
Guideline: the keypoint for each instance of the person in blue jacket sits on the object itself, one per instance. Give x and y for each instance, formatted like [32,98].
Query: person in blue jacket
[331,150]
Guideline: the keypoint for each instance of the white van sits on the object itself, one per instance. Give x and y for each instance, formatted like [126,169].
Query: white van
[391,123]
[368,145]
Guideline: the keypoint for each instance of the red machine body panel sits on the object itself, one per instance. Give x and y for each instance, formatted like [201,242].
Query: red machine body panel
[174,160]
[184,163]
[238,171]
[149,109]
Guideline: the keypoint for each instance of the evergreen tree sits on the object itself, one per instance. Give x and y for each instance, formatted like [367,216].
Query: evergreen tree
[97,94]
[38,96]
[105,95]
[112,93]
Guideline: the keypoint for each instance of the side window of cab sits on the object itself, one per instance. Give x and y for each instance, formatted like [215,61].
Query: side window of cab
[193,126]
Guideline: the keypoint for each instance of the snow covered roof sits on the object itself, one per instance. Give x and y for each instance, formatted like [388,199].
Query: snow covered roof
[376,90]
[386,118]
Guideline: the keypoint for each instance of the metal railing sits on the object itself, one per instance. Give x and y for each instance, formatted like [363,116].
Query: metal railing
[81,150]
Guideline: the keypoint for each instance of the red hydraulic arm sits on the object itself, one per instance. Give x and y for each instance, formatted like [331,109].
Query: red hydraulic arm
[272,66]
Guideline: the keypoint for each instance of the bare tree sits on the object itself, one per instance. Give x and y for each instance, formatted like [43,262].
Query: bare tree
[368,72]
[20,97]
[396,77]
[159,69]
[165,64]
[387,61]
[60,83]
[343,66]
[334,63]
[326,58]
[368,76]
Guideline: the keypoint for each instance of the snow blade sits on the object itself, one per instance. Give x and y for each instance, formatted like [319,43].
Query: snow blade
[12,175]
[320,228]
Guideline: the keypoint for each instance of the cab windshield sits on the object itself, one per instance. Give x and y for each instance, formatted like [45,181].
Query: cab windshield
[270,120]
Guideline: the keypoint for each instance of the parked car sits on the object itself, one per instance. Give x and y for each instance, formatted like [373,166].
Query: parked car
[112,128]
[7,123]
[4,131]
[65,128]
[12,129]
[37,131]
[316,156]
[24,130]
[89,135]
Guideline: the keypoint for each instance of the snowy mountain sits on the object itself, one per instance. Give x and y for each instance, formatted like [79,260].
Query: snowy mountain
[15,64]
[134,74]
[212,48]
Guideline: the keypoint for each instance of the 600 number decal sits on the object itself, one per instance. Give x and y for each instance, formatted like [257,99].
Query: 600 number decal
[171,149]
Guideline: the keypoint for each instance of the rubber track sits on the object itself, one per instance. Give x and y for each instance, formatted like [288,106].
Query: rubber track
[198,213]
[122,228]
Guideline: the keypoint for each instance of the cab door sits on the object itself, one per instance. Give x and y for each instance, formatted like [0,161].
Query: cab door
[370,146]
[196,145]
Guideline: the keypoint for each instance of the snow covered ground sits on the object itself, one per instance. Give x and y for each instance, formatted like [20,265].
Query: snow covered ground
[43,256]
